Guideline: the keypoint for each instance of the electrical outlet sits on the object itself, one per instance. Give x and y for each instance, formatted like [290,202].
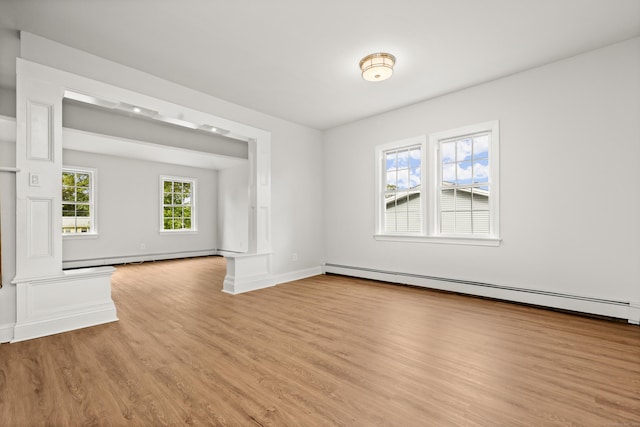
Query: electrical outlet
[294,256]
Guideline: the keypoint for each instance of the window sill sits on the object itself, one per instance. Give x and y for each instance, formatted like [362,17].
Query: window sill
[449,240]
[177,232]
[80,236]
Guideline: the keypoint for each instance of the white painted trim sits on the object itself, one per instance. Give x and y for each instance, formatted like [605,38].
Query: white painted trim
[96,315]
[634,312]
[71,300]
[73,236]
[64,275]
[578,303]
[227,252]
[493,127]
[247,272]
[194,204]
[380,184]
[429,188]
[40,130]
[297,275]
[472,241]
[259,140]
[93,200]
[235,286]
[6,332]
[125,259]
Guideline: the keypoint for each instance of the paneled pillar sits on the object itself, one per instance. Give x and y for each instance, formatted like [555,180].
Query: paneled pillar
[48,300]
[38,195]
[260,196]
[252,270]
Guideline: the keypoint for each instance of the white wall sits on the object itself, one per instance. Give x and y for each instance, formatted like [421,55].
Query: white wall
[7,101]
[297,169]
[570,142]
[296,179]
[128,203]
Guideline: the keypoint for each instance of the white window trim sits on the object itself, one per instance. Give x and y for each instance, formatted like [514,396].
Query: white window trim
[194,214]
[93,234]
[430,202]
[381,182]
[494,178]
[457,240]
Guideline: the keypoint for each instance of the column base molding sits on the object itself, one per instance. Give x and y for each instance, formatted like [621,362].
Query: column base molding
[74,299]
[247,272]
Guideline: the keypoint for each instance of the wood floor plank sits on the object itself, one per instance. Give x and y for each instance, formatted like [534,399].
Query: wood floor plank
[327,350]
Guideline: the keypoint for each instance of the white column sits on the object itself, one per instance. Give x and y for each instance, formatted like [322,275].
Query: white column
[252,270]
[260,196]
[38,188]
[48,300]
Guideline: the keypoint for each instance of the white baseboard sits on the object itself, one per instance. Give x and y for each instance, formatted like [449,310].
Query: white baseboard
[603,307]
[297,275]
[98,316]
[71,300]
[634,312]
[234,286]
[6,332]
[125,259]
[252,283]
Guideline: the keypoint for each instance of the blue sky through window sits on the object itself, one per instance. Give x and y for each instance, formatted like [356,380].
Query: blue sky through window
[465,160]
[403,168]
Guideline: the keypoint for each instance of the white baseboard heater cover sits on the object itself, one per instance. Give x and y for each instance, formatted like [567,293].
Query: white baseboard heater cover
[599,306]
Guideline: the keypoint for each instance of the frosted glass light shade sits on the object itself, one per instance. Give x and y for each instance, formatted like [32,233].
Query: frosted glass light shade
[377,66]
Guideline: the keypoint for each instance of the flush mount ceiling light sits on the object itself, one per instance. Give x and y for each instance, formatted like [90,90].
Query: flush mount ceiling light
[377,66]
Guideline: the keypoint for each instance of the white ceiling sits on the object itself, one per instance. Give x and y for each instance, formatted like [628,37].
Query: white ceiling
[298,60]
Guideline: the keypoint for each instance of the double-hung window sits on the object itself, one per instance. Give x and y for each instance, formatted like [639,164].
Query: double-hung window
[78,201]
[442,188]
[463,185]
[401,187]
[178,211]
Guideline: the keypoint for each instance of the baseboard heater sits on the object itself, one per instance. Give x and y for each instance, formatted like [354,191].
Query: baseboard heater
[585,304]
[126,259]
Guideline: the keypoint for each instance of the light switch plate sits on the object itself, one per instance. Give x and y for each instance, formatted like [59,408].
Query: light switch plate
[34,179]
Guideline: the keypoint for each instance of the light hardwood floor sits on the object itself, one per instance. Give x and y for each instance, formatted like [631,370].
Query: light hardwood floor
[327,350]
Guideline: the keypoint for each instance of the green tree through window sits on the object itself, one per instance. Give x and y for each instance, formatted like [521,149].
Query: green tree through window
[77,201]
[177,205]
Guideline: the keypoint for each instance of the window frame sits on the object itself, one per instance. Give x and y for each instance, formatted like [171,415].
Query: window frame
[93,202]
[194,197]
[431,171]
[381,184]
